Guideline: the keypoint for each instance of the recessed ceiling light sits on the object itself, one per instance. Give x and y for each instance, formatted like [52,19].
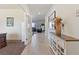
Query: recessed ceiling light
[39,13]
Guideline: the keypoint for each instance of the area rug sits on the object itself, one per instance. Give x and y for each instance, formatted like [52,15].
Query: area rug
[12,48]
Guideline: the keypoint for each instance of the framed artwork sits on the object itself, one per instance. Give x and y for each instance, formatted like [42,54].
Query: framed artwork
[51,19]
[10,21]
[52,15]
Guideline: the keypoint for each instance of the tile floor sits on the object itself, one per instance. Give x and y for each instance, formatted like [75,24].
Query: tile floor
[38,46]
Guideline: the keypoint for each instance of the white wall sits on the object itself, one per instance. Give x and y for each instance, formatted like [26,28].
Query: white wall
[71,22]
[68,14]
[47,21]
[33,24]
[13,33]
[39,22]
[29,27]
[26,25]
[46,26]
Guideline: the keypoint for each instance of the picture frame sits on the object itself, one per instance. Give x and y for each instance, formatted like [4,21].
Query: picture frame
[10,21]
[52,15]
[51,18]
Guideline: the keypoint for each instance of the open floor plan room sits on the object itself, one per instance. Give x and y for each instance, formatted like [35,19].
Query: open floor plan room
[39,29]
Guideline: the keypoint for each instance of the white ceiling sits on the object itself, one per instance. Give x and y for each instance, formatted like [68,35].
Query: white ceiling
[36,8]
[9,6]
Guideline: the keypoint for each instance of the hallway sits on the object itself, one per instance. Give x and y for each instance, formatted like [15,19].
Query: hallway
[38,46]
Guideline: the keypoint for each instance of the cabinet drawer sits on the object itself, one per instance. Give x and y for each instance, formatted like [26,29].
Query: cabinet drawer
[2,40]
[2,35]
[3,44]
